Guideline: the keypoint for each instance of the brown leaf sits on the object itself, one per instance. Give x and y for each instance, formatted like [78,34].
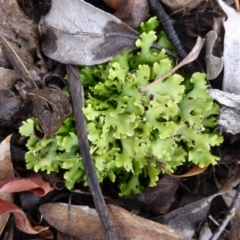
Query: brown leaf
[187,218]
[234,233]
[133,12]
[20,218]
[51,107]
[10,105]
[84,223]
[182,5]
[8,78]
[32,183]
[6,170]
[22,35]
[160,197]
[192,172]
[115,4]
[14,58]
[93,36]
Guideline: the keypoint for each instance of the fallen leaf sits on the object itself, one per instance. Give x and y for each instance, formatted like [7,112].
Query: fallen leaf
[115,4]
[6,170]
[234,232]
[192,172]
[8,78]
[10,106]
[17,63]
[228,198]
[187,218]
[182,5]
[229,117]
[83,222]
[231,79]
[20,218]
[51,107]
[92,35]
[214,64]
[160,198]
[33,183]
[22,34]
[133,12]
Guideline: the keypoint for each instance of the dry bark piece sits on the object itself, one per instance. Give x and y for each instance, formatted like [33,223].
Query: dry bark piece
[6,170]
[133,12]
[77,33]
[84,223]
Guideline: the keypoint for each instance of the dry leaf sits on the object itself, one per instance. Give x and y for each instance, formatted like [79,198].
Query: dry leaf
[6,170]
[84,223]
[228,198]
[192,172]
[115,4]
[214,64]
[182,5]
[22,35]
[160,198]
[51,107]
[231,79]
[187,218]
[234,232]
[133,12]
[20,218]
[8,78]
[77,33]
[229,116]
[33,183]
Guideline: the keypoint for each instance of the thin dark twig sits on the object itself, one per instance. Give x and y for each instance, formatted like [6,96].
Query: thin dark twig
[168,52]
[229,215]
[168,28]
[76,91]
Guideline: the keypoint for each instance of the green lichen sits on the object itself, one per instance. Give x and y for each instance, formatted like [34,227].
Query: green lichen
[132,133]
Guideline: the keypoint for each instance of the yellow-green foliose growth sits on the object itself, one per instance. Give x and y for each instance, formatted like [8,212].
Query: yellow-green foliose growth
[131,132]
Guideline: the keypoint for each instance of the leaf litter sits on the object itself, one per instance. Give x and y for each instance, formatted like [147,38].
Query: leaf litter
[25,84]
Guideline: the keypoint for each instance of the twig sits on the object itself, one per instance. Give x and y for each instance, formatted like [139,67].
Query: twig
[229,215]
[76,91]
[167,26]
[168,52]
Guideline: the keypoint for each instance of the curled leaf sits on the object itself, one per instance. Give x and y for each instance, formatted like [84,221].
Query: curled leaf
[32,183]
[51,107]
[214,64]
[20,218]
[92,36]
